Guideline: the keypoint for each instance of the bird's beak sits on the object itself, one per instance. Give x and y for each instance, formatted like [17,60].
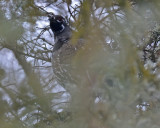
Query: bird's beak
[50,15]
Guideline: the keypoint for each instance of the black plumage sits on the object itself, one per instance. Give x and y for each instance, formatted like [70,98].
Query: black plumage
[62,31]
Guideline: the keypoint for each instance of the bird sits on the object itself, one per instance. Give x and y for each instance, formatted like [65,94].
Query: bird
[63,51]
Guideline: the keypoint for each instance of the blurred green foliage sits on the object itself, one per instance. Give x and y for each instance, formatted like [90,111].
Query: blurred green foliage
[116,71]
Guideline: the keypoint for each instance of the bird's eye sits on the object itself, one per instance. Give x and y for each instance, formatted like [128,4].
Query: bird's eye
[59,19]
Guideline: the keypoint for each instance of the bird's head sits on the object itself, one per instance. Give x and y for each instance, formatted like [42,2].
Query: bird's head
[57,23]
